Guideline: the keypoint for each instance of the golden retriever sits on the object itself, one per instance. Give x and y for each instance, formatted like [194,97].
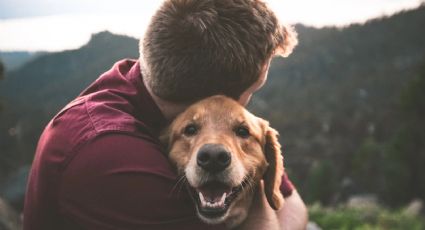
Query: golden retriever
[222,152]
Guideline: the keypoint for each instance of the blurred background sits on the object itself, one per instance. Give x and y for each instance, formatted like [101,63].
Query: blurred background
[349,103]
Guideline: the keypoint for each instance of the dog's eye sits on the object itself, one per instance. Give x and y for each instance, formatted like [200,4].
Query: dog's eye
[242,131]
[191,130]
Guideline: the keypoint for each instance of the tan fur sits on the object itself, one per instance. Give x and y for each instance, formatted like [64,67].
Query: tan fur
[273,175]
[258,156]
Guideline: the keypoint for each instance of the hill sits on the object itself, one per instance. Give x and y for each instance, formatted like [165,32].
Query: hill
[33,93]
[339,91]
[15,59]
[335,100]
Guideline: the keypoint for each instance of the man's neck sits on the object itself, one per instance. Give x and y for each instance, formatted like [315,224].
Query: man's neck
[170,110]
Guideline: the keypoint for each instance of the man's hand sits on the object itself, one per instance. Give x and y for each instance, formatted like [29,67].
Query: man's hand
[293,215]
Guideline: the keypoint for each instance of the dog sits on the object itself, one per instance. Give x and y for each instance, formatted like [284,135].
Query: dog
[223,152]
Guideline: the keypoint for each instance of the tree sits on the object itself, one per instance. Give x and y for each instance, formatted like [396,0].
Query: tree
[406,159]
[321,182]
[1,70]
[1,77]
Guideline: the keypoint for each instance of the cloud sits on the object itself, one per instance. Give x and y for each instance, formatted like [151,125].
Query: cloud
[337,12]
[36,8]
[54,33]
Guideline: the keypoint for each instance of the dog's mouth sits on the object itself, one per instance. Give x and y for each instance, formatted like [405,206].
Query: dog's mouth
[214,198]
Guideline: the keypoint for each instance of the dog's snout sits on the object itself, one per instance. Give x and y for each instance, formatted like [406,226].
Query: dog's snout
[213,158]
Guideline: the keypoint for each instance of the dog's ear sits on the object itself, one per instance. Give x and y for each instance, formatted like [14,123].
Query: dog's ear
[273,175]
[165,138]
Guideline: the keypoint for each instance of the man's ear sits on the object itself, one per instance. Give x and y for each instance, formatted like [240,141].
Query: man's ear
[273,175]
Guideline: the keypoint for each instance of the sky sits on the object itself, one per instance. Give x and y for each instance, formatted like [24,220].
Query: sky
[52,25]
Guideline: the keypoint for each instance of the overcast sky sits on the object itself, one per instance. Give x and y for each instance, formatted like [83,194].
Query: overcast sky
[55,25]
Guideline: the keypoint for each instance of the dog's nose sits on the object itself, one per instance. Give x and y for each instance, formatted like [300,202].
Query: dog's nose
[213,158]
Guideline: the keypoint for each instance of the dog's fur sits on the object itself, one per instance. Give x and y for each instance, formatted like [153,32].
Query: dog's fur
[254,157]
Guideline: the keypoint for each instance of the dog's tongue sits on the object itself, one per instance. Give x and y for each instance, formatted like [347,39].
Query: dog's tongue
[214,193]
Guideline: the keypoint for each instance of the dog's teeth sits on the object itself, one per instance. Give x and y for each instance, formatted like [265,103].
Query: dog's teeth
[203,202]
[212,204]
[223,197]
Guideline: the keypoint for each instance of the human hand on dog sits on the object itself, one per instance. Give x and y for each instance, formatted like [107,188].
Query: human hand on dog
[261,215]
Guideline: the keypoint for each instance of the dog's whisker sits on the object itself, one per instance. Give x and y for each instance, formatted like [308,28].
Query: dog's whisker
[174,187]
[179,183]
[249,182]
[245,183]
[252,185]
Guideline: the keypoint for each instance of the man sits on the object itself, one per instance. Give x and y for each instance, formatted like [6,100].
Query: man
[99,164]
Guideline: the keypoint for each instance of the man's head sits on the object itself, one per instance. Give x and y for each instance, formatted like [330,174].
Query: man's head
[197,48]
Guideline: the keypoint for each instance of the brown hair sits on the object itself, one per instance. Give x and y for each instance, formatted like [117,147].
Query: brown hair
[197,48]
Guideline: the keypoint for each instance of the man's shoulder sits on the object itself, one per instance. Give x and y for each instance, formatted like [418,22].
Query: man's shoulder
[123,153]
[95,114]
[116,104]
[121,180]
[76,126]
[68,129]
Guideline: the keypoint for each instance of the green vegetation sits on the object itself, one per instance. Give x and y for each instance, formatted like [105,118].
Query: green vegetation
[1,70]
[1,77]
[394,169]
[367,218]
[407,152]
[337,104]
[36,91]
[14,60]
[321,182]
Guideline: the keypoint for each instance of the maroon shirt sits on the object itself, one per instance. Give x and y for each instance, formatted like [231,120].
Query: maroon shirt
[99,165]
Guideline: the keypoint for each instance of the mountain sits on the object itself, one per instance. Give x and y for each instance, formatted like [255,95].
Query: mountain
[56,78]
[335,100]
[1,69]
[32,94]
[15,59]
[339,90]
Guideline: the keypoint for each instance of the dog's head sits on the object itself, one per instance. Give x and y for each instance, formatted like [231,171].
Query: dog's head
[224,151]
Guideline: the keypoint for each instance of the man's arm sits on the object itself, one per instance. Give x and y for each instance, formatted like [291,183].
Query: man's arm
[292,216]
[123,182]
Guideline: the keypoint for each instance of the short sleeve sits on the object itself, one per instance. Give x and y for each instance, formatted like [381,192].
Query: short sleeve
[124,182]
[286,186]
